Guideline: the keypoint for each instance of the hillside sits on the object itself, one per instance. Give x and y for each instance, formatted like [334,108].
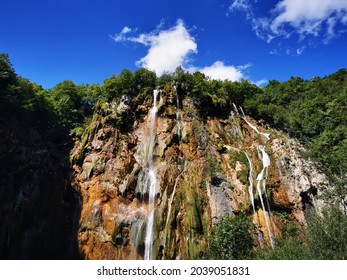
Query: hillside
[175,167]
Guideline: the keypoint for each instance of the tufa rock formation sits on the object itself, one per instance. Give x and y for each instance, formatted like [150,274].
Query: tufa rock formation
[202,170]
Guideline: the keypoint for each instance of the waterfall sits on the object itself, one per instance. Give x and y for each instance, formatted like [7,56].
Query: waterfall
[235,109]
[169,213]
[251,196]
[266,135]
[264,157]
[266,163]
[250,179]
[151,177]
[260,178]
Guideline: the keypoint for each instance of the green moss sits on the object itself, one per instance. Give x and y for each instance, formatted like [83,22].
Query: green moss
[237,156]
[196,217]
[86,136]
[203,186]
[242,175]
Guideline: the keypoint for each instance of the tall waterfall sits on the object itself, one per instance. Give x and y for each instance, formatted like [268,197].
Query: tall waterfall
[151,177]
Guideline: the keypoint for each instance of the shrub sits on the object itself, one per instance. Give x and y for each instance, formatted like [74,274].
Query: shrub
[231,238]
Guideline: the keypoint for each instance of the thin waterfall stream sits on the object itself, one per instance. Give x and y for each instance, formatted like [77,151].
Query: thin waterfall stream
[260,178]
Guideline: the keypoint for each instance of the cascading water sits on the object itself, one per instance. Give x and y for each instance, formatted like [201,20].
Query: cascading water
[151,177]
[251,196]
[264,157]
[169,212]
[235,109]
[266,135]
[266,163]
[250,179]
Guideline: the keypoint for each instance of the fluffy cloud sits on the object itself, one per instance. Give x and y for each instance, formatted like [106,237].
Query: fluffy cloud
[170,48]
[167,48]
[219,71]
[303,17]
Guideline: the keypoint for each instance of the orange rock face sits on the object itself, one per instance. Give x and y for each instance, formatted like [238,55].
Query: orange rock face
[202,173]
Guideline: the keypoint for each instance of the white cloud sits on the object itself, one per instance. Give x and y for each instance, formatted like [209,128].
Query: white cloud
[308,16]
[300,50]
[121,36]
[219,71]
[168,49]
[261,83]
[240,5]
[302,17]
[126,29]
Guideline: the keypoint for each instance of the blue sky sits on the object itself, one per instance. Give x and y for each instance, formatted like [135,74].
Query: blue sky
[88,41]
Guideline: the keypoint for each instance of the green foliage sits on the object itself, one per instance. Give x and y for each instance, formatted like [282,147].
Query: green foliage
[118,85]
[314,111]
[286,249]
[7,73]
[325,238]
[326,235]
[144,80]
[231,239]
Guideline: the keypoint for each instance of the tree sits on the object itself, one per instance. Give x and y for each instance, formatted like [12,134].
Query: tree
[66,100]
[144,80]
[7,73]
[118,85]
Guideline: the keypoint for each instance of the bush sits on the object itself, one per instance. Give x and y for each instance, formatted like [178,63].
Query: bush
[231,239]
[286,249]
[326,235]
[325,238]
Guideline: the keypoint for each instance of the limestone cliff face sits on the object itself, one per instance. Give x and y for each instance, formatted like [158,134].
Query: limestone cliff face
[205,168]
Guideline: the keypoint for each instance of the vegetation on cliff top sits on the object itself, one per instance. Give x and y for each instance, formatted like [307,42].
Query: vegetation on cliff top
[312,111]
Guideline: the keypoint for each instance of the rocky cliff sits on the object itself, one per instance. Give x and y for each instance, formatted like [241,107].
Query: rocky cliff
[154,169]
[38,207]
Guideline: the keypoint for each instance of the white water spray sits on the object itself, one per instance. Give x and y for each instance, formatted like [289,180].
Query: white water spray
[151,178]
